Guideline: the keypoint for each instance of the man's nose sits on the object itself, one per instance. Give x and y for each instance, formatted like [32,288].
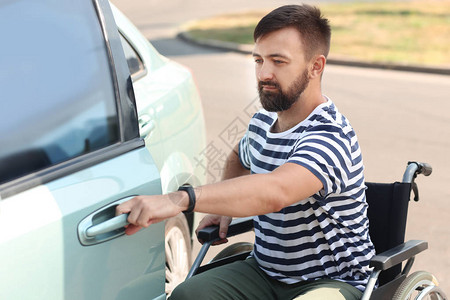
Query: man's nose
[264,72]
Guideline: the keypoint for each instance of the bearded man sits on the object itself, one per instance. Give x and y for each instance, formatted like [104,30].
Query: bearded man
[298,170]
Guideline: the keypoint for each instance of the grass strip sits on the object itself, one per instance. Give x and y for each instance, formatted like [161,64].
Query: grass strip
[414,32]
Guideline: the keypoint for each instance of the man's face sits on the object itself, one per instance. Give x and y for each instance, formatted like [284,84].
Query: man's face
[279,100]
[280,69]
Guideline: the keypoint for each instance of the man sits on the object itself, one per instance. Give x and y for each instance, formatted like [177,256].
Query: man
[306,186]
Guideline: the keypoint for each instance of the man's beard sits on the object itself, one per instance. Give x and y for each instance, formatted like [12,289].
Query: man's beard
[280,101]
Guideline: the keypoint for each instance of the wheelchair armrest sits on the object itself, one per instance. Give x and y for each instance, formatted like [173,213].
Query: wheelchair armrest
[396,255]
[236,227]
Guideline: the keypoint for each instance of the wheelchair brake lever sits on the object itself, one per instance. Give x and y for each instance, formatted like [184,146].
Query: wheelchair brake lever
[415,190]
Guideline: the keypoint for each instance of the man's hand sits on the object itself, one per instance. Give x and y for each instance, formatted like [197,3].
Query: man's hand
[211,220]
[146,210]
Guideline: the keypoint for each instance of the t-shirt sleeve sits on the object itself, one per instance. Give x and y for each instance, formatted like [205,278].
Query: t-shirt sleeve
[327,157]
[244,156]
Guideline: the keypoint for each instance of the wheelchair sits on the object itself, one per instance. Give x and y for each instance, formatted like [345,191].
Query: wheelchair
[388,208]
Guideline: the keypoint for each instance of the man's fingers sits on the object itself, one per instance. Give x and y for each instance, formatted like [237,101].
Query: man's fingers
[223,227]
[123,208]
[132,229]
[137,214]
[209,220]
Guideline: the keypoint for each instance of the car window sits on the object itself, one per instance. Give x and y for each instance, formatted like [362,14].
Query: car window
[134,61]
[58,97]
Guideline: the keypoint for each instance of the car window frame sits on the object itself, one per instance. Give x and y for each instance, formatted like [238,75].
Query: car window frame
[138,75]
[129,138]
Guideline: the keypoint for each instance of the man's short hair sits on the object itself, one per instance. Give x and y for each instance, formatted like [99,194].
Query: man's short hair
[314,29]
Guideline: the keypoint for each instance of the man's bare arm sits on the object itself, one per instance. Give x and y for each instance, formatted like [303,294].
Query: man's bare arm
[258,194]
[242,196]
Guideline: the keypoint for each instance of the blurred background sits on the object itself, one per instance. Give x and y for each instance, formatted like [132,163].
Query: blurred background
[399,116]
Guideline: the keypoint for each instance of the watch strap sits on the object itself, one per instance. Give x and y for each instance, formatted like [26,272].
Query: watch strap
[191,193]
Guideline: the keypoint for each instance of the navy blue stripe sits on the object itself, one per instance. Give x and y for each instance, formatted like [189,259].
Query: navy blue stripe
[320,165]
[338,237]
[302,206]
[259,131]
[342,163]
[263,165]
[269,153]
[365,249]
[301,219]
[348,206]
[328,136]
[332,128]
[344,264]
[298,260]
[337,153]
[265,118]
[290,249]
[243,157]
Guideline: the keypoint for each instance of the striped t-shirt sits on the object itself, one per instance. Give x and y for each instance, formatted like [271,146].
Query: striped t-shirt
[326,235]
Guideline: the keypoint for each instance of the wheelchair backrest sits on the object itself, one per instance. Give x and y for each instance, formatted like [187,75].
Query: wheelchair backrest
[387,212]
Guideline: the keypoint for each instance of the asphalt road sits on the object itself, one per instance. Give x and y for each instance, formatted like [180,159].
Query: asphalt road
[398,116]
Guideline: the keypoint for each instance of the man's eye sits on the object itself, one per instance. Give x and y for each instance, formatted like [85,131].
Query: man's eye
[276,61]
[258,61]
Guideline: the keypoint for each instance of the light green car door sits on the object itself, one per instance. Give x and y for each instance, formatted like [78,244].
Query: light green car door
[42,252]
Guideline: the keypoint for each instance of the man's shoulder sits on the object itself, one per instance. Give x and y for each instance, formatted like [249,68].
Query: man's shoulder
[328,117]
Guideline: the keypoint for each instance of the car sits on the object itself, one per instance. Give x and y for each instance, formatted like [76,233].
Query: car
[91,115]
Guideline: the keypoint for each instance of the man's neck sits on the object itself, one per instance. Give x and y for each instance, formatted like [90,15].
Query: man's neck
[298,112]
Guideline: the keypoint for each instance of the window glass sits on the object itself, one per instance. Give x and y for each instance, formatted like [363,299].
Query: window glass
[58,99]
[134,61]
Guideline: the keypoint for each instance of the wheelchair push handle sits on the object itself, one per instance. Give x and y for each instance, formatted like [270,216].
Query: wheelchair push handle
[211,234]
[414,169]
[426,169]
[237,226]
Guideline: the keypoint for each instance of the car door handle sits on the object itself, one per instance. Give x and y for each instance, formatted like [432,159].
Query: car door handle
[146,125]
[103,224]
[108,226]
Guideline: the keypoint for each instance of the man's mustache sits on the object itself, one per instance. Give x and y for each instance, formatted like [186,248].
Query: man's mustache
[261,84]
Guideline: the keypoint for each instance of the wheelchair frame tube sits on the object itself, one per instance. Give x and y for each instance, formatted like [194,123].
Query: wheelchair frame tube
[415,168]
[199,259]
[410,172]
[370,285]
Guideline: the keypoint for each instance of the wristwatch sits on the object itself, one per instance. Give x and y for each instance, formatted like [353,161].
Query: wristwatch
[190,190]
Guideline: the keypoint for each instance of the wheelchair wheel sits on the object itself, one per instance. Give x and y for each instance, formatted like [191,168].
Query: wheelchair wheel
[414,284]
[233,249]
[178,251]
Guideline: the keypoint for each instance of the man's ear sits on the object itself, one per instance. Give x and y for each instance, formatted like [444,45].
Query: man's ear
[317,66]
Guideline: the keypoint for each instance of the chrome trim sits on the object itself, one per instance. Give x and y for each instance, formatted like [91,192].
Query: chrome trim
[138,75]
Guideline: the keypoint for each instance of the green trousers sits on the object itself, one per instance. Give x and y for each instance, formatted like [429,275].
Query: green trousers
[245,280]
